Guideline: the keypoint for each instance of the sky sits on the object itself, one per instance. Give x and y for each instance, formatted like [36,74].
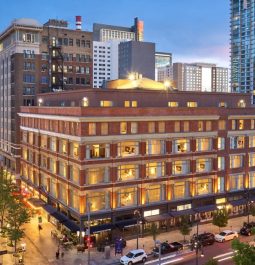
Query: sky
[192,30]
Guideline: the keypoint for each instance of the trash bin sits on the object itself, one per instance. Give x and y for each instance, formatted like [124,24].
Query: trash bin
[107,252]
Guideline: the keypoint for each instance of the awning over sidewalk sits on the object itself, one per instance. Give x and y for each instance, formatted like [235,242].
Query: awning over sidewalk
[48,208]
[35,202]
[206,208]
[159,217]
[238,202]
[181,213]
[126,223]
[72,226]
[101,228]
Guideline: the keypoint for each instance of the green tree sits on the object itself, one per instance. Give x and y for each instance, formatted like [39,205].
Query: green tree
[17,215]
[252,210]
[211,262]
[6,197]
[220,218]
[154,231]
[185,227]
[244,254]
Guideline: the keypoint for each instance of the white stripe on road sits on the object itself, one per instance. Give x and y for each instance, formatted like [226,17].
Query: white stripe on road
[171,261]
[163,258]
[225,258]
[222,255]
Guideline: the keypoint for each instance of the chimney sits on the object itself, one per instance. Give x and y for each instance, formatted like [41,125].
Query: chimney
[78,22]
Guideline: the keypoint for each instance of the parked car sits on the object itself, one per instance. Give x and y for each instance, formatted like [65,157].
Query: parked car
[226,235]
[205,238]
[167,248]
[134,256]
[247,229]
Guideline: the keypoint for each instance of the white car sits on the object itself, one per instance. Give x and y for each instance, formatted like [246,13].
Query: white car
[226,235]
[134,256]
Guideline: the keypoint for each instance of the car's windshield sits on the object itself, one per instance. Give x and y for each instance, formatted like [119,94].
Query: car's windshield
[130,255]
[222,234]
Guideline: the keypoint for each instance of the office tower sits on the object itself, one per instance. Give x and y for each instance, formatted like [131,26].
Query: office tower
[200,77]
[242,46]
[35,59]
[163,66]
[103,32]
[137,57]
[105,61]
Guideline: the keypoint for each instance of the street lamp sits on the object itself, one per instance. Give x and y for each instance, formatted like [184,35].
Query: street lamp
[81,235]
[137,214]
[197,244]
[88,230]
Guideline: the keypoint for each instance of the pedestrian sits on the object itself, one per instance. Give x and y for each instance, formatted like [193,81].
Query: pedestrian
[57,254]
[39,228]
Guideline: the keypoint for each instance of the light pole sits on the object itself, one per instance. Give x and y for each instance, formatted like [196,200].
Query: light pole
[197,244]
[137,214]
[88,230]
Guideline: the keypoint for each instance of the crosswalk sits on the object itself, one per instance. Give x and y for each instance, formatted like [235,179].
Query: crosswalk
[226,256]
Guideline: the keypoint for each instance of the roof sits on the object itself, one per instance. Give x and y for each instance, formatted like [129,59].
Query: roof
[26,22]
[136,250]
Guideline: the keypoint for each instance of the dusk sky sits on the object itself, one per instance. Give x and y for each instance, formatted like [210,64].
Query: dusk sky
[193,30]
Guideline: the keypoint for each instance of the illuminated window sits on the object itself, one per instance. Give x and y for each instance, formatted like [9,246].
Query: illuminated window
[251,179]
[62,169]
[106,103]
[236,161]
[203,186]
[173,104]
[31,138]
[134,104]
[126,149]
[126,103]
[233,124]
[53,144]
[63,147]
[92,128]
[123,128]
[222,104]
[154,193]
[155,170]
[97,175]
[221,163]
[98,201]
[204,144]
[251,159]
[155,147]
[95,151]
[221,188]
[74,150]
[192,104]
[252,124]
[251,141]
[128,172]
[236,182]
[241,124]
[241,103]
[181,167]
[236,142]
[44,141]
[134,127]
[200,126]
[104,128]
[85,102]
[181,145]
[180,190]
[126,197]
[208,125]
[74,174]
[203,165]
[151,127]
[222,125]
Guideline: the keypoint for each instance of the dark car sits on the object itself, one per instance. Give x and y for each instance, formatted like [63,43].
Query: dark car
[246,230]
[205,238]
[167,248]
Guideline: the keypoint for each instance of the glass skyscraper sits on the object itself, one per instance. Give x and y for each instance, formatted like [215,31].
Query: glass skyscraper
[243,46]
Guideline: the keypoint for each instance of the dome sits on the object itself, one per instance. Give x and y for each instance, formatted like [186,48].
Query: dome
[26,22]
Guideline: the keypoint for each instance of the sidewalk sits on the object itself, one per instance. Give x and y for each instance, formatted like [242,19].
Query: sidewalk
[41,247]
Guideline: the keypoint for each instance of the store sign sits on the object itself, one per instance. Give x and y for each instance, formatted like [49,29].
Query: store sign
[151,213]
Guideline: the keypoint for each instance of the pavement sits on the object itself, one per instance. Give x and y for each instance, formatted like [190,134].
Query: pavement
[41,247]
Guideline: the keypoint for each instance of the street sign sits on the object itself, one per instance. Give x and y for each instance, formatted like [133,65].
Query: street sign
[3,252]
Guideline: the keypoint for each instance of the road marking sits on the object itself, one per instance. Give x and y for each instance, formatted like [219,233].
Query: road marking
[163,258]
[220,260]
[222,255]
[171,261]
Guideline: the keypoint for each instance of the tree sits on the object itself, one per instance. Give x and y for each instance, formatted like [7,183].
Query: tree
[252,209]
[220,218]
[154,231]
[244,254]
[184,226]
[6,190]
[17,215]
[211,262]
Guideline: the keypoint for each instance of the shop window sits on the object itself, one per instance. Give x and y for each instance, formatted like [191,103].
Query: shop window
[126,197]
[126,149]
[98,201]
[203,186]
[223,104]
[126,103]
[181,145]
[128,172]
[183,207]
[134,104]
[155,169]
[181,167]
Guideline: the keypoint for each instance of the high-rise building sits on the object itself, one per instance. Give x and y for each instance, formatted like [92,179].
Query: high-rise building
[163,66]
[137,57]
[200,77]
[103,32]
[105,61]
[242,21]
[34,59]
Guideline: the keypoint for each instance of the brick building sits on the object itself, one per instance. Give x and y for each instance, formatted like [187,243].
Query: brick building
[166,154]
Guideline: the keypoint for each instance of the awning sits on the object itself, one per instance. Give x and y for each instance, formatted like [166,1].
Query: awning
[126,223]
[206,208]
[101,228]
[35,202]
[181,213]
[159,217]
[59,216]
[238,202]
[50,209]
[72,226]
